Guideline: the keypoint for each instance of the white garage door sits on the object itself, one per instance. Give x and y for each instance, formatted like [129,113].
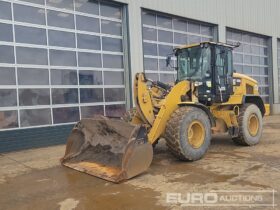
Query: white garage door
[251,58]
[161,33]
[60,61]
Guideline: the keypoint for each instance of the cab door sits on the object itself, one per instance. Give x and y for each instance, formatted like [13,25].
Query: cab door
[223,74]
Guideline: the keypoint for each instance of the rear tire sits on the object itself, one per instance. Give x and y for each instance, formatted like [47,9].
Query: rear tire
[188,133]
[250,125]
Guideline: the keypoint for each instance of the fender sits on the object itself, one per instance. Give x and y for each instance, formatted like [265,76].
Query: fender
[203,107]
[255,99]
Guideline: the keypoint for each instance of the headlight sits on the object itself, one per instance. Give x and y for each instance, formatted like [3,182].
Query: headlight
[236,81]
[196,83]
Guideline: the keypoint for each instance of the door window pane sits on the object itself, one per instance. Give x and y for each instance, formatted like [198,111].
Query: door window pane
[194,39]
[35,1]
[205,39]
[5,10]
[33,117]
[246,48]
[6,32]
[115,110]
[61,39]
[64,77]
[89,59]
[88,95]
[152,76]
[247,59]
[148,18]
[256,70]
[91,111]
[263,51]
[150,49]
[255,50]
[114,94]
[87,24]
[64,95]
[27,55]
[255,40]
[245,38]
[65,115]
[88,42]
[150,64]
[87,6]
[60,19]
[33,76]
[62,58]
[111,11]
[163,67]
[90,77]
[8,97]
[194,28]
[111,44]
[7,54]
[167,78]
[255,60]
[31,97]
[30,35]
[111,27]
[35,15]
[206,30]
[149,34]
[64,4]
[180,25]
[7,76]
[165,36]
[237,36]
[247,70]
[164,22]
[113,78]
[8,119]
[112,61]
[164,50]
[180,38]
[237,58]
[238,68]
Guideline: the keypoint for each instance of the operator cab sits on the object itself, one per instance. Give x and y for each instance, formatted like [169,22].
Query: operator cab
[209,66]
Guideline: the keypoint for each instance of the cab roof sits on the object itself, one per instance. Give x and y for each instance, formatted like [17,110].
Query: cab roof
[213,43]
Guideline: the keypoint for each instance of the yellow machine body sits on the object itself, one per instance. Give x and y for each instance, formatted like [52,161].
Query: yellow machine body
[147,98]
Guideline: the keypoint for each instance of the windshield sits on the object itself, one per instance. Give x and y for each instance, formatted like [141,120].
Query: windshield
[194,63]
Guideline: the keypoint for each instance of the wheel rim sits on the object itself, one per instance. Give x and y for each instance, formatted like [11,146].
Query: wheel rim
[196,134]
[253,125]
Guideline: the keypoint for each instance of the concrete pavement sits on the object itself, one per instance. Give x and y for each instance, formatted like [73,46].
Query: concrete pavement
[34,179]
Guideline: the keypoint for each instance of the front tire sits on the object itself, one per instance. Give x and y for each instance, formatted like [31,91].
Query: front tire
[188,133]
[250,125]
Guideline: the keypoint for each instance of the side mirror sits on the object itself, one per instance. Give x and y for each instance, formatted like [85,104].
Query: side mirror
[168,60]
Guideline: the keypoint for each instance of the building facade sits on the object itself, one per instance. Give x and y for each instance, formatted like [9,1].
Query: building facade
[63,60]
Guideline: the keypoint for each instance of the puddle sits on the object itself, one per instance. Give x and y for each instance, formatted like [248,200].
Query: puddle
[50,189]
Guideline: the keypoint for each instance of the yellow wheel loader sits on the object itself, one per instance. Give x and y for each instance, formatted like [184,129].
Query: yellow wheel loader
[206,98]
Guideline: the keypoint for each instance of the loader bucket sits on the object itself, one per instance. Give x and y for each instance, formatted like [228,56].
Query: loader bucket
[110,149]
